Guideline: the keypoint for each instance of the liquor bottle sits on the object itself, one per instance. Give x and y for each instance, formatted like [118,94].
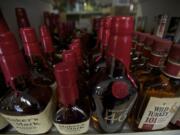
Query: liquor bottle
[22,19]
[41,72]
[51,57]
[114,93]
[27,106]
[158,102]
[69,118]
[3,25]
[99,61]
[172,68]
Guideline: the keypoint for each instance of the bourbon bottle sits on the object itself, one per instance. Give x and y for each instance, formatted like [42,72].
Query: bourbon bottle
[41,72]
[51,57]
[27,106]
[158,102]
[113,92]
[70,118]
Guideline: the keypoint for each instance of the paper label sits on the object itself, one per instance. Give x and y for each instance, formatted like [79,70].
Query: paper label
[176,119]
[33,124]
[73,128]
[3,123]
[158,113]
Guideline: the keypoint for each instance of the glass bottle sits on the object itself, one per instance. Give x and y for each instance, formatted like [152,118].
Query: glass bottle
[41,72]
[22,19]
[70,118]
[27,106]
[49,51]
[114,92]
[172,68]
[158,102]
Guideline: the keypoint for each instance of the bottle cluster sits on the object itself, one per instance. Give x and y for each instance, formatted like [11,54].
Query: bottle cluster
[77,81]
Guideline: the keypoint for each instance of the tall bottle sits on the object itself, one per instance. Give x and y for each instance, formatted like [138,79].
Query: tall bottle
[69,118]
[114,92]
[158,101]
[27,107]
[41,72]
[172,68]
[52,58]
[22,19]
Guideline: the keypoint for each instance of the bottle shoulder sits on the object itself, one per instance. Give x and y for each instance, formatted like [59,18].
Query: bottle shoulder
[70,115]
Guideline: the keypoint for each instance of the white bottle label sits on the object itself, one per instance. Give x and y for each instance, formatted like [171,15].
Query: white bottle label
[33,124]
[158,113]
[3,123]
[73,128]
[176,119]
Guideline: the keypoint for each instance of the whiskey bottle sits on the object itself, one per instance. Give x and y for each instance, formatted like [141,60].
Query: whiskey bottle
[41,72]
[158,102]
[27,106]
[51,57]
[22,19]
[69,118]
[114,93]
[172,68]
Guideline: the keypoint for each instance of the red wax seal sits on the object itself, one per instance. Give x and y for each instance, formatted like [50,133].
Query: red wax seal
[66,90]
[107,22]
[174,54]
[120,89]
[8,44]
[161,46]
[77,50]
[122,25]
[156,60]
[147,52]
[32,49]
[105,38]
[28,35]
[172,69]
[46,40]
[13,66]
[3,25]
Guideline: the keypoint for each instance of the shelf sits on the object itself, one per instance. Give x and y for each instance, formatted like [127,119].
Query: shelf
[126,131]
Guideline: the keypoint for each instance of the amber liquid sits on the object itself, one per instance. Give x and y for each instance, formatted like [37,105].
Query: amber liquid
[159,87]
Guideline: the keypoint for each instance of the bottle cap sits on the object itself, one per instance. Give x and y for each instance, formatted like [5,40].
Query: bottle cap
[3,25]
[174,54]
[120,48]
[8,44]
[161,46]
[66,86]
[22,19]
[172,69]
[77,50]
[122,25]
[120,89]
[28,35]
[156,60]
[46,40]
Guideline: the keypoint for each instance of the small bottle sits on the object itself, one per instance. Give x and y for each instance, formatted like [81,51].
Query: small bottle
[3,25]
[22,19]
[41,72]
[114,92]
[158,101]
[47,45]
[69,118]
[27,106]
